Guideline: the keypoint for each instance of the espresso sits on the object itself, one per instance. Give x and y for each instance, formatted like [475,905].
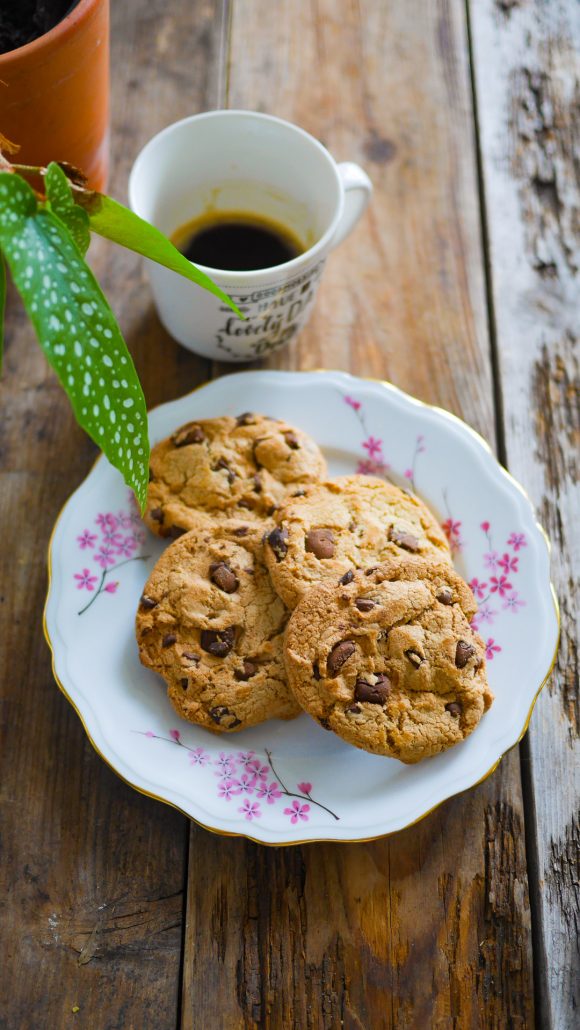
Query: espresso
[237,241]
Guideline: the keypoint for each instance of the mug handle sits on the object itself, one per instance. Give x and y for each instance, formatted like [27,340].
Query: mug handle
[357,192]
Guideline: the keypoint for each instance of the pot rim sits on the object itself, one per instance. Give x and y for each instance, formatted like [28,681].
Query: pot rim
[59,32]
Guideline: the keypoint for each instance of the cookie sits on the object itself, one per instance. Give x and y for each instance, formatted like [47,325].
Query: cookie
[344,524]
[227,467]
[210,623]
[389,660]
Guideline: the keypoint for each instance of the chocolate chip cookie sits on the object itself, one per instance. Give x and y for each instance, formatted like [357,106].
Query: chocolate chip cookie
[389,661]
[210,623]
[227,466]
[344,524]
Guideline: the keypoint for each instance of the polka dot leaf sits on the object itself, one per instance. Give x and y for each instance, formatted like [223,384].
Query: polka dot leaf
[114,221]
[61,202]
[76,329]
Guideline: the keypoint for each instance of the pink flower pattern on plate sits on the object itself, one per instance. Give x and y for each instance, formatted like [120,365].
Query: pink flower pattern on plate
[86,539]
[512,602]
[246,784]
[270,792]
[517,541]
[250,809]
[509,563]
[297,811]
[110,550]
[374,447]
[491,648]
[85,580]
[241,774]
[228,789]
[499,585]
[105,556]
[478,587]
[198,756]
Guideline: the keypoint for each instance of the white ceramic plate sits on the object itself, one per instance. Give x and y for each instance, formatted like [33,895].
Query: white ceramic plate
[285,782]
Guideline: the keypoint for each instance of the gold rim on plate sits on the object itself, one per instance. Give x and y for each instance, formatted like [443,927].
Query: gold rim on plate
[319,840]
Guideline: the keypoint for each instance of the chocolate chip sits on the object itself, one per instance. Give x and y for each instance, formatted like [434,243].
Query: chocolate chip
[364,604]
[340,653]
[257,484]
[246,419]
[157,515]
[414,657]
[240,531]
[445,595]
[222,464]
[454,708]
[148,602]
[184,683]
[278,542]
[255,444]
[250,669]
[223,577]
[353,710]
[191,656]
[369,572]
[245,504]
[347,578]
[168,640]
[176,531]
[292,441]
[463,653]
[404,540]
[315,671]
[189,433]
[324,723]
[320,542]
[218,642]
[373,693]
[220,713]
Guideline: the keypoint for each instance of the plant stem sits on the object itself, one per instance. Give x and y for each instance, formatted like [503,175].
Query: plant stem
[292,794]
[95,595]
[99,590]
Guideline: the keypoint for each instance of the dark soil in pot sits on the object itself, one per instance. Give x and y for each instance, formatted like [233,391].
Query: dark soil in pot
[21,21]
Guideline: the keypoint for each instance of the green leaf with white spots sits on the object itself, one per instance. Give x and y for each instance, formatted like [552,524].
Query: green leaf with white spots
[118,223]
[2,305]
[60,200]
[76,329]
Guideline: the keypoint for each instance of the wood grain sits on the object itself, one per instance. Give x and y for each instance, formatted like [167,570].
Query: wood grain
[527,72]
[431,927]
[92,874]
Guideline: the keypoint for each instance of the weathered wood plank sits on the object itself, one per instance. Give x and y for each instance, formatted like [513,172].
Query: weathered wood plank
[527,72]
[431,927]
[92,873]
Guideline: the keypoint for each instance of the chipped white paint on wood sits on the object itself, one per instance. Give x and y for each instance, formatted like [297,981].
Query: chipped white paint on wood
[527,77]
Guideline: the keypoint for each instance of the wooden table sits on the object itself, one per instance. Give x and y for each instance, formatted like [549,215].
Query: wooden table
[461,286]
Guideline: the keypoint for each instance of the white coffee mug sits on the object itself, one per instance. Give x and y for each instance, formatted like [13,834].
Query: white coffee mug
[245,162]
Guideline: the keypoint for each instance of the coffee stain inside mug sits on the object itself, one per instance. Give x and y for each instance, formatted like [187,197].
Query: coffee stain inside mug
[239,241]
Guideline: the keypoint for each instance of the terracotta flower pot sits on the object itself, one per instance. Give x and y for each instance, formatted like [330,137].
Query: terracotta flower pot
[54,93]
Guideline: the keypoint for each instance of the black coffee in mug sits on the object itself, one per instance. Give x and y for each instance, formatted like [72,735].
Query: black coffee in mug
[237,241]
